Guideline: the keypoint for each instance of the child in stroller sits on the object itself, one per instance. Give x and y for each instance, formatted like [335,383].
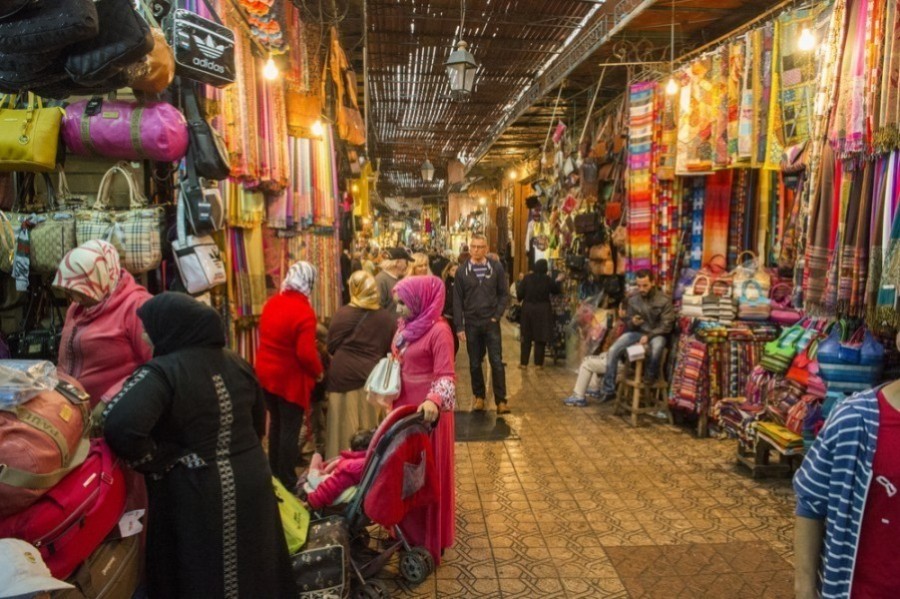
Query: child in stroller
[398,477]
[334,481]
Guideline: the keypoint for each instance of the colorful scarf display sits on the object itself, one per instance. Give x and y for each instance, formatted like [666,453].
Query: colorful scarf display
[640,192]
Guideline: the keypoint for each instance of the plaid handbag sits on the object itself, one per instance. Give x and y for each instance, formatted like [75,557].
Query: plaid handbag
[135,232]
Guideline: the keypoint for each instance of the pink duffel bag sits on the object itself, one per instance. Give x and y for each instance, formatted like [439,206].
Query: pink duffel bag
[122,130]
[72,519]
[41,442]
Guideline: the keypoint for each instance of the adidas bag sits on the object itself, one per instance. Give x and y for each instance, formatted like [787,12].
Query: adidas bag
[198,258]
[204,49]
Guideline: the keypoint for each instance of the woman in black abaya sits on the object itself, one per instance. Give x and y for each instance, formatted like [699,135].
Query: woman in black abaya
[191,420]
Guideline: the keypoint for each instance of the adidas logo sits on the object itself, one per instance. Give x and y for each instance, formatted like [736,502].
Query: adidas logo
[208,47]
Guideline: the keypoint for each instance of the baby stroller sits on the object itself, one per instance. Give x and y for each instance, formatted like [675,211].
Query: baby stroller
[398,477]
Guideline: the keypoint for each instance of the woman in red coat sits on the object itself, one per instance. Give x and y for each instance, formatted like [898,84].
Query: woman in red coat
[288,367]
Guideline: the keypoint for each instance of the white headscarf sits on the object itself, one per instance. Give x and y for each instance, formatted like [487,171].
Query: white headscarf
[301,278]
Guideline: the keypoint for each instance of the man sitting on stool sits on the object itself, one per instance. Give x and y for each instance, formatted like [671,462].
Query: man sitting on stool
[649,319]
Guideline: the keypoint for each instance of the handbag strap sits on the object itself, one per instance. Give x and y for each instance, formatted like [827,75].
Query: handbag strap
[694,285]
[103,193]
[191,105]
[26,191]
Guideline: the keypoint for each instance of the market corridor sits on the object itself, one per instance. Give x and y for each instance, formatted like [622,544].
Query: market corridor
[576,503]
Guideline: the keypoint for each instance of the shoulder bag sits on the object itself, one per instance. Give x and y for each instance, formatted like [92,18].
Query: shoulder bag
[135,232]
[156,71]
[350,125]
[124,130]
[720,306]
[36,340]
[383,384]
[850,365]
[29,137]
[692,300]
[208,151]
[204,49]
[204,208]
[27,27]
[780,353]
[52,233]
[751,269]
[783,312]
[198,258]
[753,305]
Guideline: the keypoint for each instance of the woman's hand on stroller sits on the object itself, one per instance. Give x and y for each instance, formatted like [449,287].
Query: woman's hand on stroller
[430,410]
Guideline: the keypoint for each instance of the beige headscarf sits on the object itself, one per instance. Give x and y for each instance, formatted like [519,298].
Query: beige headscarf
[364,291]
[92,269]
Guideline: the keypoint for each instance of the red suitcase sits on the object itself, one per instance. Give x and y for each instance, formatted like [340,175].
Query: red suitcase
[71,520]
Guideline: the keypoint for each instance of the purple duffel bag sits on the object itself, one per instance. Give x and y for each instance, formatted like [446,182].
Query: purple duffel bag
[125,130]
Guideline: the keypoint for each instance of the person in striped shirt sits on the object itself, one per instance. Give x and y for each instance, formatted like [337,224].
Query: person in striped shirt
[848,506]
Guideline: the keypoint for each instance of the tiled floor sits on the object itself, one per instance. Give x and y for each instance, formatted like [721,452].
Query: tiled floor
[578,504]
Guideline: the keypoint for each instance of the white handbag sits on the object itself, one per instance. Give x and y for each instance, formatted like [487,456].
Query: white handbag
[692,300]
[383,384]
[198,258]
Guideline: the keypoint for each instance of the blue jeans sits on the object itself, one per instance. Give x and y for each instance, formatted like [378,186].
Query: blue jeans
[617,352]
[481,338]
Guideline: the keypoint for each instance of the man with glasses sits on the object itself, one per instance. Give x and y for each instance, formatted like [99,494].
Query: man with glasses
[481,296]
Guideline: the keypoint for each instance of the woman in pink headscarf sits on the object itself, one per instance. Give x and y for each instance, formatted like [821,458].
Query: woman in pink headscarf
[424,343]
[102,339]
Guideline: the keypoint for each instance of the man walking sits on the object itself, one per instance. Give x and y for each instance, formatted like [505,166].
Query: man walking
[649,319]
[393,266]
[482,293]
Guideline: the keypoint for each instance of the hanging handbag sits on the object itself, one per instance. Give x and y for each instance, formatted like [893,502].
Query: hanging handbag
[203,205]
[124,38]
[47,26]
[350,125]
[753,305]
[850,365]
[135,232]
[780,353]
[804,366]
[751,270]
[11,8]
[198,258]
[122,130]
[720,305]
[783,312]
[29,137]
[156,71]
[208,151]
[35,340]
[52,233]
[383,384]
[587,222]
[692,300]
[204,49]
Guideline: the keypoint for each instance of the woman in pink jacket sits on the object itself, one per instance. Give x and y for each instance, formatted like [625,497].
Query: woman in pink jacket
[424,344]
[102,340]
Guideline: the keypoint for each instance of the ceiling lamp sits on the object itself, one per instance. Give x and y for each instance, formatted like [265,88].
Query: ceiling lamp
[461,65]
[672,86]
[807,41]
[427,171]
[270,71]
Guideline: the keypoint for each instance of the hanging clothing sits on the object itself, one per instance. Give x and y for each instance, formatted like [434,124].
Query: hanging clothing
[191,420]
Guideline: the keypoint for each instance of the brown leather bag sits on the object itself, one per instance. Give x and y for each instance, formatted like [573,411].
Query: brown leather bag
[350,124]
[303,109]
[156,71]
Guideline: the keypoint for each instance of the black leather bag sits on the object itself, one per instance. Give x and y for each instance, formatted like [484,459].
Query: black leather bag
[12,82]
[124,39]
[207,148]
[47,26]
[588,222]
[10,8]
[36,341]
[204,208]
[204,49]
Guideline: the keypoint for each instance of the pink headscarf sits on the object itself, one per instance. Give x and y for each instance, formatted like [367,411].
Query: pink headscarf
[424,296]
[92,269]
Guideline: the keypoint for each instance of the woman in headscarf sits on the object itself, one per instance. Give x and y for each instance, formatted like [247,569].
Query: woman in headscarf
[191,420]
[424,346]
[360,334]
[288,366]
[102,340]
[537,315]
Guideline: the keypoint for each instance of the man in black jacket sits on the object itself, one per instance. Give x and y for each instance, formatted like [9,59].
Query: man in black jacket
[482,293]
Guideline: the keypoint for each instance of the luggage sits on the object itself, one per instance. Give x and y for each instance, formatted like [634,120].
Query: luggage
[322,567]
[40,442]
[113,571]
[68,522]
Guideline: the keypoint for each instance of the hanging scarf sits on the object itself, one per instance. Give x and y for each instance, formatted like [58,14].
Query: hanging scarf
[887,136]
[364,291]
[887,295]
[855,248]
[93,269]
[301,277]
[424,296]
[717,212]
[720,107]
[848,128]
[797,74]
[736,59]
[748,101]
[820,241]
[878,240]
[640,191]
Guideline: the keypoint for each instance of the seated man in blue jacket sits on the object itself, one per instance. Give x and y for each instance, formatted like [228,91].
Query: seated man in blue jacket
[649,319]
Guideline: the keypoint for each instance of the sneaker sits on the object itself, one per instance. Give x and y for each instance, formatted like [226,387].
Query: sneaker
[575,402]
[478,406]
[502,408]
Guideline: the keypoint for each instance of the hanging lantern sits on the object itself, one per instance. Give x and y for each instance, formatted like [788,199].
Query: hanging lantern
[427,171]
[461,68]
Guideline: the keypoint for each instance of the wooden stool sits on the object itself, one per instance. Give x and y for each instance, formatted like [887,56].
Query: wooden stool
[644,399]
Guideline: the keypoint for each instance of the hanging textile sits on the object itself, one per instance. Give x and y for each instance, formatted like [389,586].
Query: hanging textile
[848,131]
[640,193]
[746,118]
[720,80]
[797,74]
[246,208]
[763,48]
[321,249]
[696,119]
[887,134]
[717,215]
[697,187]
[736,64]
[246,272]
[822,218]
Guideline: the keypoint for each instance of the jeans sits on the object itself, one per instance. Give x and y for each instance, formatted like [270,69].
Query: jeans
[481,338]
[617,352]
[285,421]
[590,366]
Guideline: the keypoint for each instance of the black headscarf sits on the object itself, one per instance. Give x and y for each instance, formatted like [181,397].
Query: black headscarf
[176,321]
[541,267]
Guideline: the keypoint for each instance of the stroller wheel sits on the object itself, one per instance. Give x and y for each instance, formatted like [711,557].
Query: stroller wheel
[416,564]
[372,590]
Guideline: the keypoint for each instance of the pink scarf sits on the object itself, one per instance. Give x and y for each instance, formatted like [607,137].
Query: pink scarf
[424,296]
